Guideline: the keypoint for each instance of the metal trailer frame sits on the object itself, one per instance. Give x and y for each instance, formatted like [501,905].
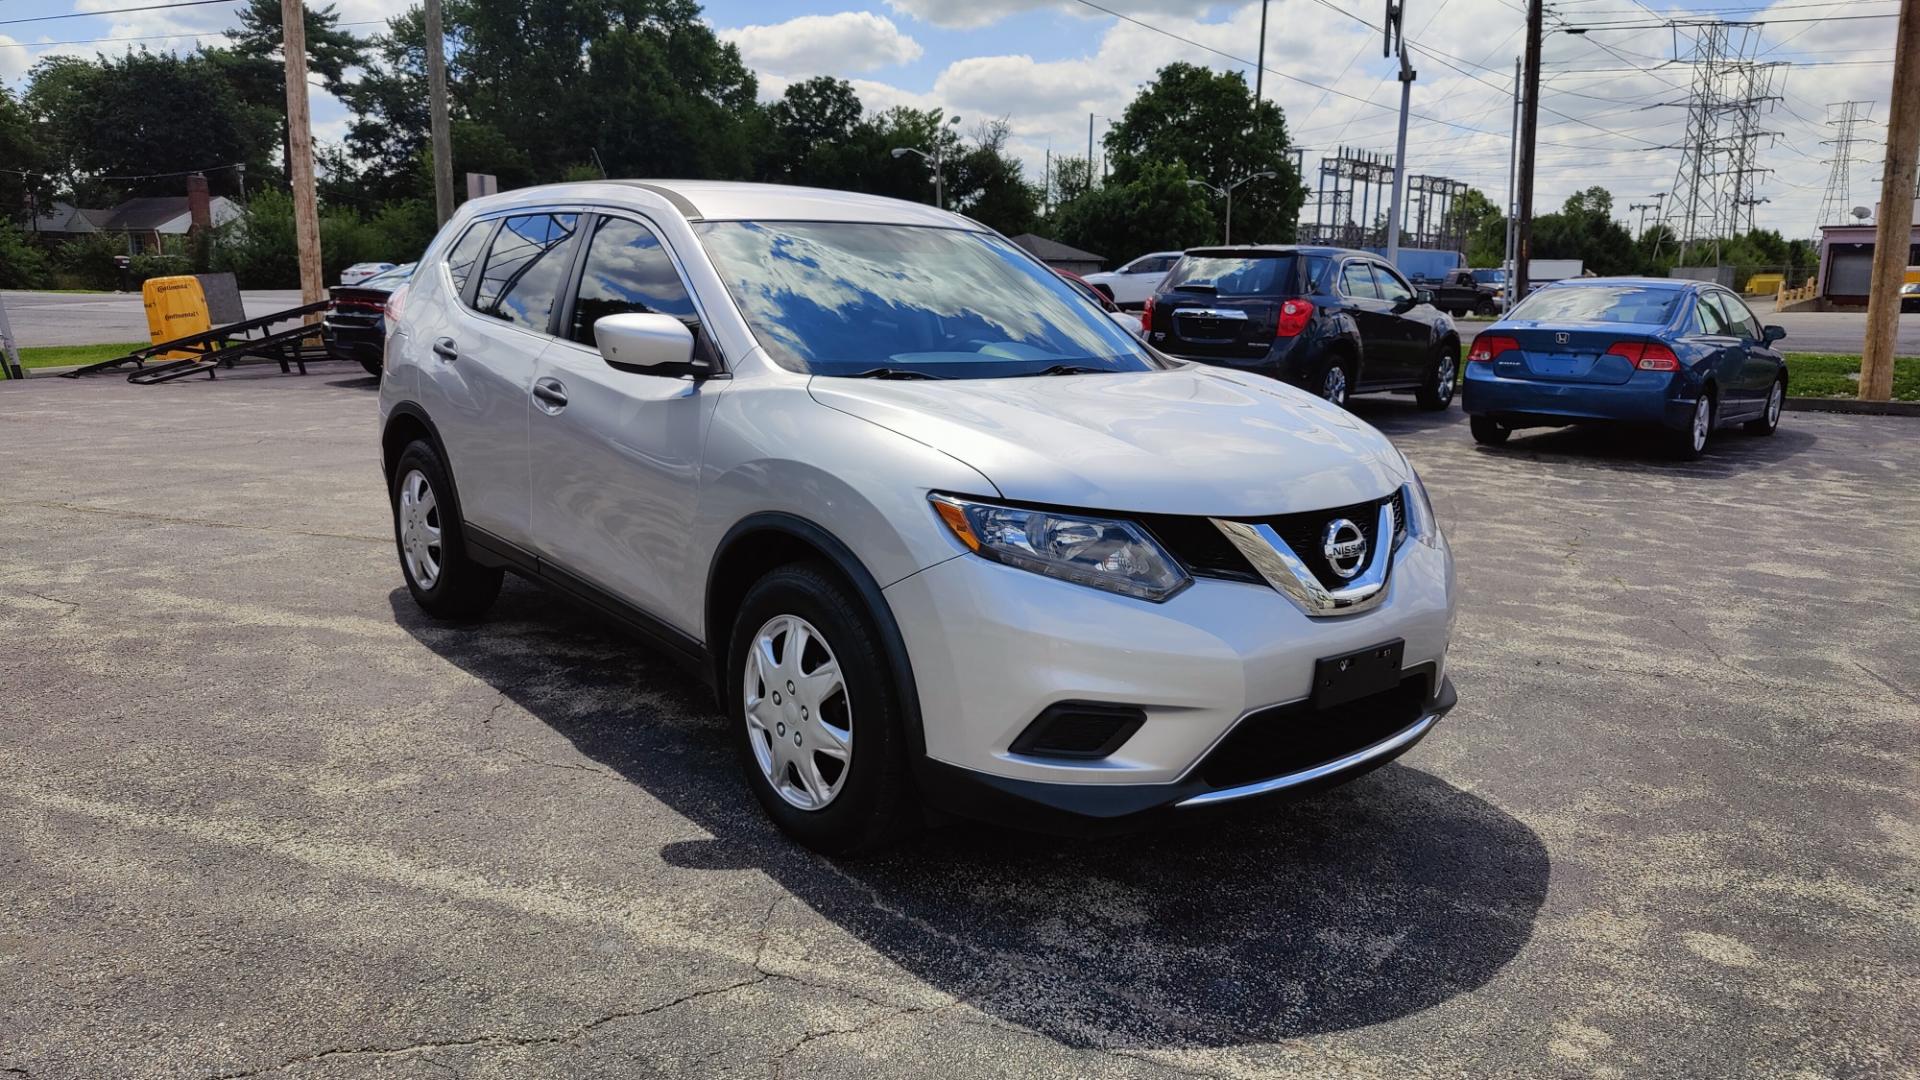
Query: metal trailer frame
[222,346]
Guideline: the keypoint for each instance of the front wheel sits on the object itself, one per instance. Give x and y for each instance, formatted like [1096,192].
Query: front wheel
[817,718]
[1436,388]
[1487,431]
[1769,421]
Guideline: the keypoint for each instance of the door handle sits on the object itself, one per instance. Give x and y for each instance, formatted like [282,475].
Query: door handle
[445,349]
[551,395]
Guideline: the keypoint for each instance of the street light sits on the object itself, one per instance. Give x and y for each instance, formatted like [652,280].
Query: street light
[937,159]
[1227,194]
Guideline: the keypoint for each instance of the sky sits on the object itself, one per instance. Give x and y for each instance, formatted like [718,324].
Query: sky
[1612,107]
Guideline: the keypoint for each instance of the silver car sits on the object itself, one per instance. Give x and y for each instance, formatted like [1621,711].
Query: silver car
[938,532]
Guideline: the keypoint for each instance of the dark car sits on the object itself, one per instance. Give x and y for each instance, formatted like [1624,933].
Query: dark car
[355,327]
[1679,356]
[1910,296]
[1462,292]
[1331,321]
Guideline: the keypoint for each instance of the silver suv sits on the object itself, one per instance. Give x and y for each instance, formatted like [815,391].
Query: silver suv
[940,534]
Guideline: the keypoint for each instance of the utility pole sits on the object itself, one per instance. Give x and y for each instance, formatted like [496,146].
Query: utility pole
[1513,157]
[1394,33]
[1089,151]
[1529,129]
[1260,66]
[306,211]
[437,107]
[9,354]
[1897,193]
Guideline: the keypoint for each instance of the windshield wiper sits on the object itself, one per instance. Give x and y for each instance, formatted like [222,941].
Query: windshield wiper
[1071,369]
[892,373]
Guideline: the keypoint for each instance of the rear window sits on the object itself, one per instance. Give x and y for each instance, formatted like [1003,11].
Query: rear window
[1640,304]
[1235,275]
[1490,277]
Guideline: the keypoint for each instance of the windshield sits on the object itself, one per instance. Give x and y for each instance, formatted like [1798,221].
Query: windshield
[1490,277]
[1642,304]
[835,298]
[1234,275]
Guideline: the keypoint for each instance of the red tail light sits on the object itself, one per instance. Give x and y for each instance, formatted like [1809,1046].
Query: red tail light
[394,301]
[1146,317]
[1488,346]
[1646,355]
[1294,316]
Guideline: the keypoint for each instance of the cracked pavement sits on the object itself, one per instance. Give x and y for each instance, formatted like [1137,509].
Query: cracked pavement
[260,818]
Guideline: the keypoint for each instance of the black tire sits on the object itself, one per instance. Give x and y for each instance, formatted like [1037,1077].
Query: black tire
[873,804]
[1325,388]
[373,366]
[1690,442]
[1487,431]
[1768,421]
[459,588]
[1442,379]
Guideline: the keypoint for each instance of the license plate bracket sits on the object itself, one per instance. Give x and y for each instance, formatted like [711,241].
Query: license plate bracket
[1350,676]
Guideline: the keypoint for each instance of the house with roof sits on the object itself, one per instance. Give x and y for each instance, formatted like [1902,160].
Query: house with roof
[155,224]
[1060,256]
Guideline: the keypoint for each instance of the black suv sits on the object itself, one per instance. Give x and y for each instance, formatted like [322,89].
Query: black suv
[1329,320]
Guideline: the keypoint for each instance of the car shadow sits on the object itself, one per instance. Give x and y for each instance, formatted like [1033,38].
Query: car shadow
[1363,904]
[1400,414]
[364,382]
[1730,452]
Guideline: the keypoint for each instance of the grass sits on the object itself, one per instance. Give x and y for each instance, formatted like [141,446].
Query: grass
[70,355]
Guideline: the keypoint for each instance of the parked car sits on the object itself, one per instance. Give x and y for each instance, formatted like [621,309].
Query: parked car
[1331,321]
[1910,296]
[1464,291]
[1682,357]
[1121,318]
[935,529]
[360,272]
[1130,285]
[355,327]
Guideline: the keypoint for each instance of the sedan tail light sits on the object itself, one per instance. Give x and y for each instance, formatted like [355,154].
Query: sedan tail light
[1646,355]
[1146,317]
[395,299]
[1488,346]
[1294,316]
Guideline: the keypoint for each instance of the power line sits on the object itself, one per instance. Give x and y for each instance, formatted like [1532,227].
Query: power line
[1591,27]
[111,11]
[196,34]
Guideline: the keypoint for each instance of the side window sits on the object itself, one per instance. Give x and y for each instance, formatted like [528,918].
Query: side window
[1740,320]
[465,252]
[1356,281]
[1318,267]
[1159,265]
[526,269]
[1391,287]
[1707,318]
[627,271]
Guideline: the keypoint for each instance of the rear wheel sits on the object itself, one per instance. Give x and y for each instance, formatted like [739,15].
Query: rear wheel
[1489,432]
[1436,388]
[1691,441]
[818,722]
[432,540]
[1337,383]
[1769,419]
[372,366]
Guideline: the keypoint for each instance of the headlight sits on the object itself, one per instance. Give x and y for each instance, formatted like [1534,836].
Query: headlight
[1421,524]
[1105,553]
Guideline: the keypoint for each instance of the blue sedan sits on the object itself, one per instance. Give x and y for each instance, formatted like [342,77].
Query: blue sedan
[1685,357]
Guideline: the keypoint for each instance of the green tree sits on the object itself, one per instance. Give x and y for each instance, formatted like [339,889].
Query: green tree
[1156,210]
[1206,121]
[1584,229]
[990,185]
[19,149]
[817,136]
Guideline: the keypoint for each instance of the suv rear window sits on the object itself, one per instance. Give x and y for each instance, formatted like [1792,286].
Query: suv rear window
[1235,275]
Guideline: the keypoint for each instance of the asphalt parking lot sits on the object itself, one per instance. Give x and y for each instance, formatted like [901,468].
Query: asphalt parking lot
[259,817]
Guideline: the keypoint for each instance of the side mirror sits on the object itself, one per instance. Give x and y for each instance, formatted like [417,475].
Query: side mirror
[1771,334]
[644,343]
[1424,296]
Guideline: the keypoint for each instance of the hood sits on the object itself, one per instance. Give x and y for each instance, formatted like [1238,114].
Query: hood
[1192,440]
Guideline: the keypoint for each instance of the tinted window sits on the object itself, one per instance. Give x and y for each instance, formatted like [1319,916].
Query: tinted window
[1357,281]
[1234,275]
[844,298]
[1707,318]
[1390,285]
[1319,269]
[526,268]
[466,252]
[1650,305]
[1155,265]
[1490,277]
[1740,321]
[627,271]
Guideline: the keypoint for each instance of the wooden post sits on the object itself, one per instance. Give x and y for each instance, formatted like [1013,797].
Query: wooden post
[306,211]
[1895,233]
[1529,130]
[437,109]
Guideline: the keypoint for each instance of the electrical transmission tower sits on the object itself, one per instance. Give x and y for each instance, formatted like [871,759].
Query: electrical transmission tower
[1714,188]
[1842,116]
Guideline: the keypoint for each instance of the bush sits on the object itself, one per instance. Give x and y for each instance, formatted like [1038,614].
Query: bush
[22,266]
[88,262]
[261,252]
[153,266]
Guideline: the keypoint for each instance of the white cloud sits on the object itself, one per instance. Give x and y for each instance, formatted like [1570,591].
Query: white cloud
[843,43]
[974,14]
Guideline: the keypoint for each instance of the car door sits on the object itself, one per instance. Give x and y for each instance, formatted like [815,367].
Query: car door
[1407,322]
[1760,362]
[482,366]
[1360,299]
[1709,327]
[616,452]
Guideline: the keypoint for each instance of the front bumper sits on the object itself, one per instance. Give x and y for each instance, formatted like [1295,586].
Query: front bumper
[1652,398]
[993,647]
